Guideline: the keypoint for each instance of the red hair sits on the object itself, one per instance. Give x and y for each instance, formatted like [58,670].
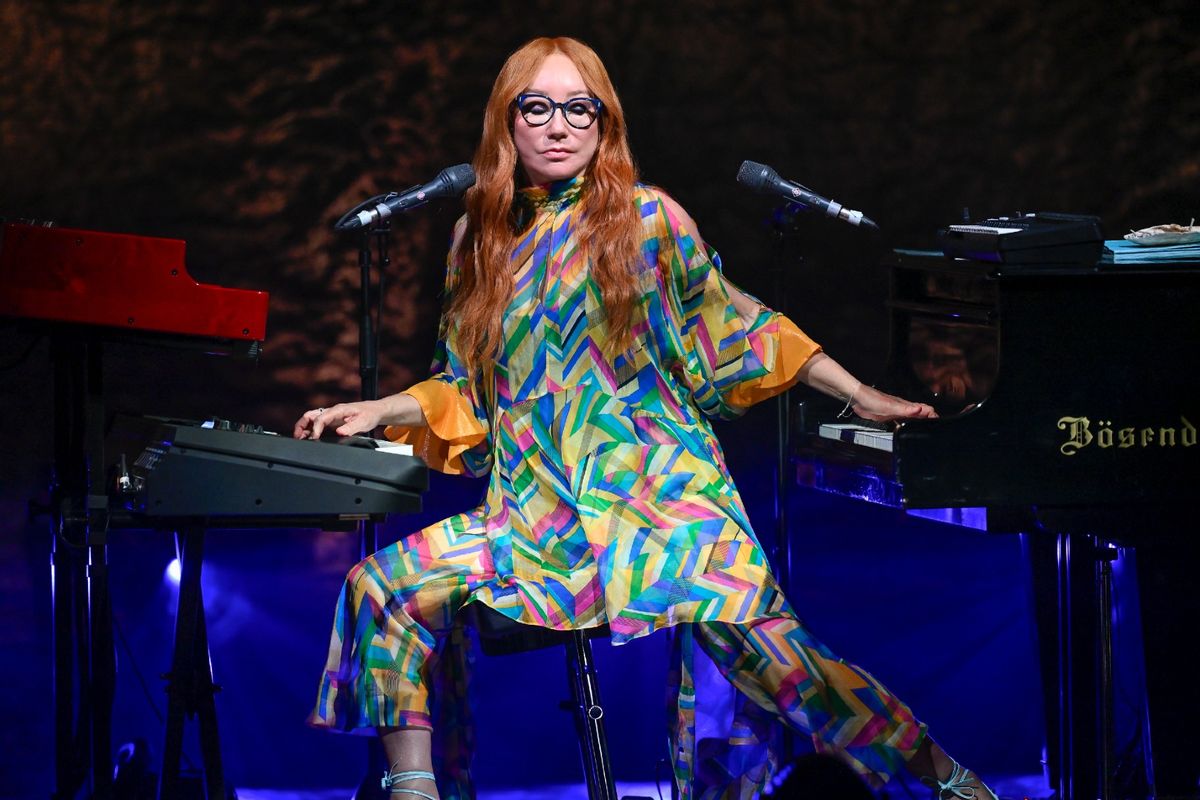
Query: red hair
[610,233]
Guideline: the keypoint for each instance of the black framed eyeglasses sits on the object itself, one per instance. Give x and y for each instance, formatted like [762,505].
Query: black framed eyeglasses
[579,112]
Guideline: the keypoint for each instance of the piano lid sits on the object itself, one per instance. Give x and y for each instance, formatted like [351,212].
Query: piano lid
[137,283]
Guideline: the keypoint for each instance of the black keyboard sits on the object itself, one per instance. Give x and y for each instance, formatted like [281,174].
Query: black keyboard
[164,468]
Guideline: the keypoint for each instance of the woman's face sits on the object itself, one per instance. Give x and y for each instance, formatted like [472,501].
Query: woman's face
[555,151]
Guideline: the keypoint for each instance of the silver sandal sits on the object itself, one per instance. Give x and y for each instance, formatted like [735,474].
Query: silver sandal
[962,784]
[390,779]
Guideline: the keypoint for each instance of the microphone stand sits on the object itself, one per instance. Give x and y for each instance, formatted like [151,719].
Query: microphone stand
[453,180]
[368,334]
[368,370]
[782,223]
[450,181]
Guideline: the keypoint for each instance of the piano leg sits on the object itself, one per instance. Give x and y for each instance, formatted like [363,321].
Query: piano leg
[1107,728]
[1073,579]
[1079,720]
[1170,607]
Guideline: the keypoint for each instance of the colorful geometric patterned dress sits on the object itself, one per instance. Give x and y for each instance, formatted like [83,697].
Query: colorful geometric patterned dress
[609,501]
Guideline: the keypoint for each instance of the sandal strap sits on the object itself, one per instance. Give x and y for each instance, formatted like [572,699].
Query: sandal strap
[390,779]
[961,783]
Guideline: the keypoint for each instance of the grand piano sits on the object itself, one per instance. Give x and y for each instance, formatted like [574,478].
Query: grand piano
[1068,402]
[87,289]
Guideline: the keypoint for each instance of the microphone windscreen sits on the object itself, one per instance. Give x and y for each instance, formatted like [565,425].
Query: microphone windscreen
[458,179]
[755,176]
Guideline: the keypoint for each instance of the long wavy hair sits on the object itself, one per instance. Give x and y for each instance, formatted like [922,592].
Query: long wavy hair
[481,286]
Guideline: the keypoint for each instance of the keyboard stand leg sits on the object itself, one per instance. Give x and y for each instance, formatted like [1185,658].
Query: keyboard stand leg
[84,660]
[190,687]
[72,709]
[103,669]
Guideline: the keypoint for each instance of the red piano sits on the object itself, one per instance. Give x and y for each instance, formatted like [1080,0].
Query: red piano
[84,289]
[124,282]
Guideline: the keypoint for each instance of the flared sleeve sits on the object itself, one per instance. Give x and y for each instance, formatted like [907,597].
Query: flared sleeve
[725,365]
[457,439]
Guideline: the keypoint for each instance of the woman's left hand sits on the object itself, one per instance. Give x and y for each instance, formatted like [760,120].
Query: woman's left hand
[870,403]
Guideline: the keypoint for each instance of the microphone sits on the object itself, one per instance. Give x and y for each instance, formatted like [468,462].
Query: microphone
[762,178]
[450,182]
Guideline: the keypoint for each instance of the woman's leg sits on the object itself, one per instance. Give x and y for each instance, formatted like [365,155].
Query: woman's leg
[779,665]
[421,758]
[394,608]
[409,753]
[938,770]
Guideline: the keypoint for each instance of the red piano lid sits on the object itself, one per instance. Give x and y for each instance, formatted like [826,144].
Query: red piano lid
[119,280]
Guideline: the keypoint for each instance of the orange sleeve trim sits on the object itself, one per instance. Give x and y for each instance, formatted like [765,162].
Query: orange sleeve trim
[792,349]
[452,428]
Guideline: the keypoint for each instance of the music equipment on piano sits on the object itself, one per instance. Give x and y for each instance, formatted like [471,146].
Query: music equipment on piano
[127,284]
[171,469]
[1037,238]
[1068,404]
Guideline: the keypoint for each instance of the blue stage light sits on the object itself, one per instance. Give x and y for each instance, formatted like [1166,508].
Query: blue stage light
[172,572]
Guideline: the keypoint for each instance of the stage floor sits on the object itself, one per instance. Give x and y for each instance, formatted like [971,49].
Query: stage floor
[1011,787]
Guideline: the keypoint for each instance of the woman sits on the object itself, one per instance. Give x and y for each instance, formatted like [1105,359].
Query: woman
[588,337]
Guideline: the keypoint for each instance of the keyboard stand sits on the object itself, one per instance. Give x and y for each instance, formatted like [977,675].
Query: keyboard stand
[190,687]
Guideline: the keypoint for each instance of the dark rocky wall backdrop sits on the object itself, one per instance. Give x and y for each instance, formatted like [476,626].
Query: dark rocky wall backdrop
[248,128]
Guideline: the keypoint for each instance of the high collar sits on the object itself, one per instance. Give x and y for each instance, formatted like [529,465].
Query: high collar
[556,195]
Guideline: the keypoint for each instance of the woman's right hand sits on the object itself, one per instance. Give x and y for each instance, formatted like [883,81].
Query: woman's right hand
[870,403]
[345,419]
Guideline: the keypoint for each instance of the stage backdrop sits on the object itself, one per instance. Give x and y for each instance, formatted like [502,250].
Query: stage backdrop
[247,129]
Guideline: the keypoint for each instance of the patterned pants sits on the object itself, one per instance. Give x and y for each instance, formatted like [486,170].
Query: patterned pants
[397,605]
[778,665]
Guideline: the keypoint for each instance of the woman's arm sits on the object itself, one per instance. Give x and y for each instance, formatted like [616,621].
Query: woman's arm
[802,361]
[826,375]
[746,308]
[348,419]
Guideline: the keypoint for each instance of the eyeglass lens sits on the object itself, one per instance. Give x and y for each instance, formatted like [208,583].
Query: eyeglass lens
[579,112]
